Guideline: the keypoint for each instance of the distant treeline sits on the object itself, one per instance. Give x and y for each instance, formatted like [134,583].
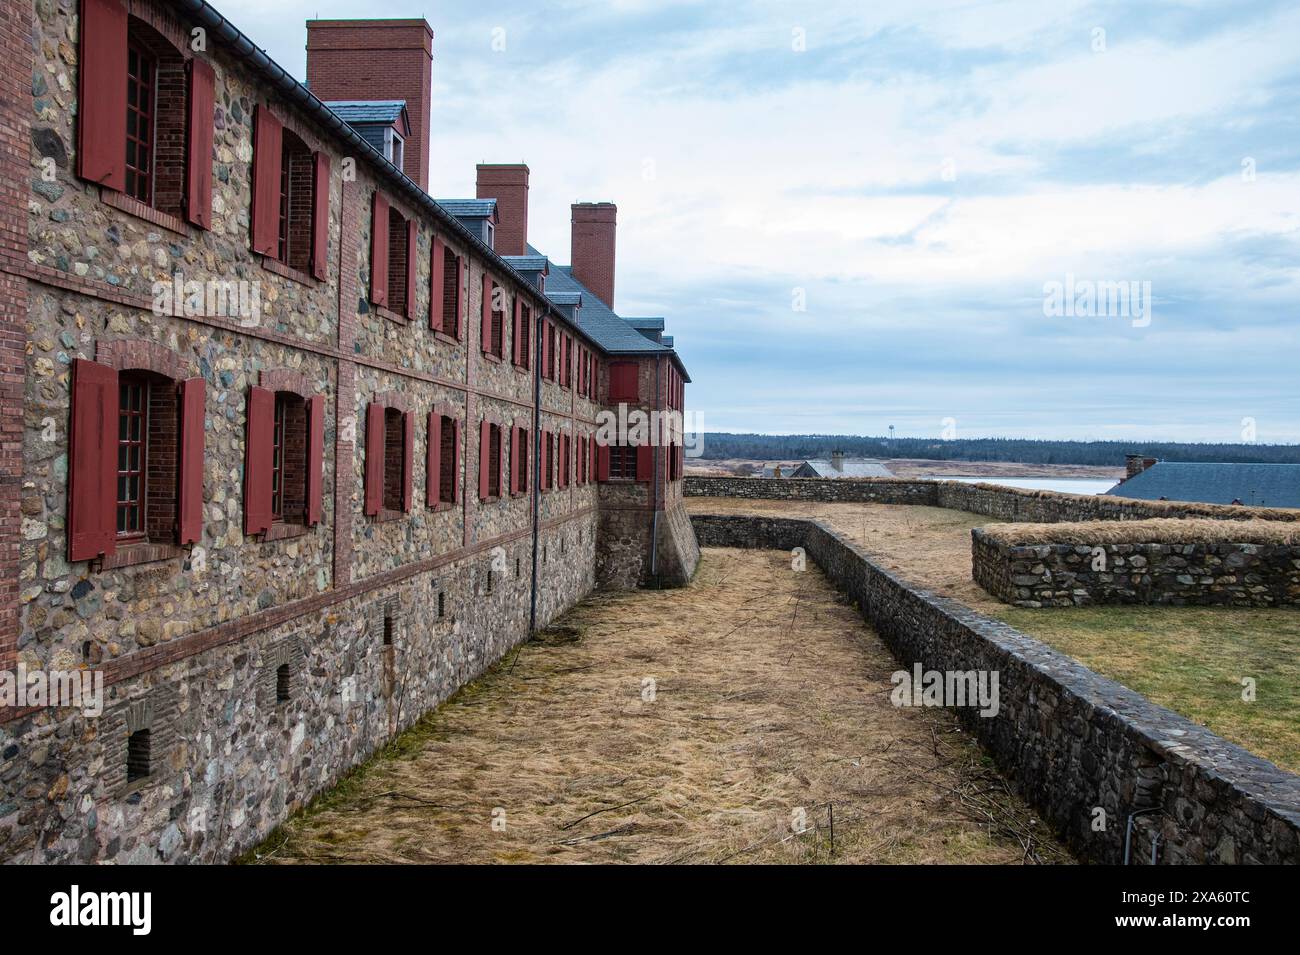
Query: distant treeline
[1106,453]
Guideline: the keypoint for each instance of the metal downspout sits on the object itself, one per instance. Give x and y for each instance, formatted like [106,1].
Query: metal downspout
[654,456]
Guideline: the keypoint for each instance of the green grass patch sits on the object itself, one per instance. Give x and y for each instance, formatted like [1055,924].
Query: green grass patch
[1192,660]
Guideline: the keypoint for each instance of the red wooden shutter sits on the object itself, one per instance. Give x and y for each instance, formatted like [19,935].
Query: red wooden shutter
[501,463]
[198,144]
[436,278]
[92,461]
[412,271]
[374,458]
[101,95]
[544,462]
[514,459]
[487,313]
[462,287]
[379,250]
[189,525]
[258,441]
[433,459]
[268,136]
[517,345]
[315,457]
[645,462]
[544,330]
[484,447]
[408,454]
[455,460]
[320,215]
[602,462]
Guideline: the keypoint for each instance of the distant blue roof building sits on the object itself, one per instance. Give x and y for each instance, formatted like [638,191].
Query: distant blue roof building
[1254,485]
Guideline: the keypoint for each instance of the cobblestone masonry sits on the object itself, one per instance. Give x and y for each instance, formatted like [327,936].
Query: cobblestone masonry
[1072,741]
[250,673]
[1075,575]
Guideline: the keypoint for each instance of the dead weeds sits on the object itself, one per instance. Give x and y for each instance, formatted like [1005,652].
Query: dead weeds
[745,718]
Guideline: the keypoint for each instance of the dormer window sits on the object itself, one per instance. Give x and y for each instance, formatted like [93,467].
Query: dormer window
[490,235]
[394,147]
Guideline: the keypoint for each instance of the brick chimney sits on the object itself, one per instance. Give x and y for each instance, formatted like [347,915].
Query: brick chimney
[1135,464]
[592,251]
[508,185]
[376,60]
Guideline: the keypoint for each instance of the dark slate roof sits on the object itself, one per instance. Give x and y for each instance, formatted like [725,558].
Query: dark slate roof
[647,324]
[849,468]
[598,320]
[470,208]
[564,298]
[1255,485]
[369,111]
[528,263]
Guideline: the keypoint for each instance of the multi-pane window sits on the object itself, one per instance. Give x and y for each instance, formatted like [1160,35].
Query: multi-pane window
[520,463]
[141,70]
[622,461]
[494,460]
[523,335]
[132,446]
[498,329]
[394,458]
[447,462]
[398,259]
[450,292]
[277,460]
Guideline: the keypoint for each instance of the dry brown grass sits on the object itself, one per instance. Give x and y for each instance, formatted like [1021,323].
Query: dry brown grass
[1153,531]
[929,546]
[771,695]
[1190,659]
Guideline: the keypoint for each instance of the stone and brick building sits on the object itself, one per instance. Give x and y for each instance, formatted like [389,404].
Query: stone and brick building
[291,451]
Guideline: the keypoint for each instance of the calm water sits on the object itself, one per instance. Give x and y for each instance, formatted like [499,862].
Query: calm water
[1064,485]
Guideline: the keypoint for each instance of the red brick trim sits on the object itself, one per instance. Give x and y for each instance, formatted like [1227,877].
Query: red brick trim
[134,207]
[389,315]
[232,631]
[280,531]
[126,354]
[53,278]
[282,379]
[128,555]
[393,399]
[284,271]
[15,157]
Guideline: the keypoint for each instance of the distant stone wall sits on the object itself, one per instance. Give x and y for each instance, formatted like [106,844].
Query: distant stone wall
[1072,741]
[1003,503]
[1191,574]
[872,490]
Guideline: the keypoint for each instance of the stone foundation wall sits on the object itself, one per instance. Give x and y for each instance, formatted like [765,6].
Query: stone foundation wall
[1072,741]
[677,551]
[1076,575]
[1003,503]
[230,759]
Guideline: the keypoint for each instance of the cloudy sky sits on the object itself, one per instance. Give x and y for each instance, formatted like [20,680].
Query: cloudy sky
[849,212]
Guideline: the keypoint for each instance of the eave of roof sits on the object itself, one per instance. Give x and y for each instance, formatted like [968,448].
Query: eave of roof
[279,80]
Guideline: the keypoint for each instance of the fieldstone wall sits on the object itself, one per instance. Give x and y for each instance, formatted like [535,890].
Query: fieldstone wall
[230,758]
[1004,503]
[1081,748]
[1076,575]
[872,490]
